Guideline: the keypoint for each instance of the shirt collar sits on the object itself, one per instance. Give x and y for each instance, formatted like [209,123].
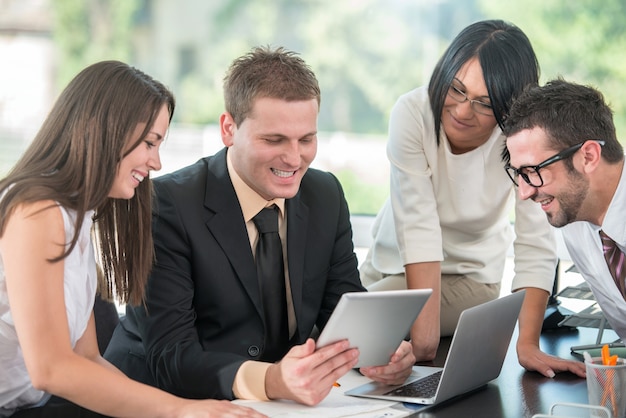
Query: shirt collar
[250,201]
[613,224]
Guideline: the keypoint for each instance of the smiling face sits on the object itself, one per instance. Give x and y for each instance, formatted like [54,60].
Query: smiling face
[136,166]
[563,192]
[465,128]
[274,146]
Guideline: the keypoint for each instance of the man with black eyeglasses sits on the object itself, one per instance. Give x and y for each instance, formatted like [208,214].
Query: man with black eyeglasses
[564,155]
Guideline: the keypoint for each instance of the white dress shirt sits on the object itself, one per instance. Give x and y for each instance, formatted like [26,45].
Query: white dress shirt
[585,247]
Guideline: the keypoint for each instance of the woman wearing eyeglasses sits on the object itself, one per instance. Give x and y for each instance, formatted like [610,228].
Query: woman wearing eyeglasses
[446,225]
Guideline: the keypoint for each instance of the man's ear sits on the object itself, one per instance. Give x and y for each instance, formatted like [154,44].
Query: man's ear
[591,153]
[227,128]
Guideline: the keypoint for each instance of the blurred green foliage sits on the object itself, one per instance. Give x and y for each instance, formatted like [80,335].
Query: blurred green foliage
[366,53]
[363,198]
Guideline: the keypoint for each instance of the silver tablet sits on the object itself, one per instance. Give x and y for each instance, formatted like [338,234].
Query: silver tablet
[374,322]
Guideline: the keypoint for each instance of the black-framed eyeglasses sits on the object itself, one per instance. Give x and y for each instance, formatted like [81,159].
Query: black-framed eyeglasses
[477,106]
[530,173]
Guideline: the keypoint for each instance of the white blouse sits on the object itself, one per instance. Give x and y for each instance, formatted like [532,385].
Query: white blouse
[80,282]
[455,208]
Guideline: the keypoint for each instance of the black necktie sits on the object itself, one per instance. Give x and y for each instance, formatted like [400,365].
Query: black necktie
[615,260]
[271,275]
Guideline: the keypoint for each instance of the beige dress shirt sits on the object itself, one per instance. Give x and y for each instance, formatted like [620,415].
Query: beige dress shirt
[250,379]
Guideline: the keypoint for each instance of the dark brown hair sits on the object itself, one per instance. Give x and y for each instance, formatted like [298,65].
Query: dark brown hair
[74,158]
[569,114]
[507,59]
[265,72]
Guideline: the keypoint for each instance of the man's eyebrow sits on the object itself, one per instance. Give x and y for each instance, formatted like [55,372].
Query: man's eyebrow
[272,135]
[283,136]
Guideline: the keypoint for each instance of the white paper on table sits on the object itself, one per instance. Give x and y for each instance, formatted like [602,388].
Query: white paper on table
[335,405]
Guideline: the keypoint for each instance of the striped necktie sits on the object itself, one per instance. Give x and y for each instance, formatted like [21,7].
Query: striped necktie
[615,261]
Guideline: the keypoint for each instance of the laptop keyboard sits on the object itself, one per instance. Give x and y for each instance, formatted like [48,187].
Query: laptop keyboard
[422,388]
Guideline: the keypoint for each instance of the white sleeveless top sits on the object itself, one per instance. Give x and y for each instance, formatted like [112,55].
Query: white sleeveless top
[80,283]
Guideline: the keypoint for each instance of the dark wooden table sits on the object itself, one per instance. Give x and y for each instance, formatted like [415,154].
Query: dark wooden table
[517,393]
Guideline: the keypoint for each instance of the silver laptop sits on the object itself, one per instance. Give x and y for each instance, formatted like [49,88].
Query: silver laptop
[374,322]
[475,357]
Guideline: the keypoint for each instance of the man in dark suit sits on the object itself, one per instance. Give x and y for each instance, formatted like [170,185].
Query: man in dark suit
[205,330]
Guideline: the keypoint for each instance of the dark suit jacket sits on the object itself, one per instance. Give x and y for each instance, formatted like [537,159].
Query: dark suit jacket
[204,316]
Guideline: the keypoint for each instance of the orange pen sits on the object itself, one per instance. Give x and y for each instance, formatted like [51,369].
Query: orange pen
[609,360]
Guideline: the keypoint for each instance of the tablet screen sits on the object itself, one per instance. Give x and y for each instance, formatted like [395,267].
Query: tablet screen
[374,322]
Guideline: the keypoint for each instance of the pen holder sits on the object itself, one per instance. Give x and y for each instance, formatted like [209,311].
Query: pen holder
[606,385]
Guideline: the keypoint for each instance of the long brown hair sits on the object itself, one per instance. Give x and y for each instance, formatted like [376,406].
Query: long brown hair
[74,158]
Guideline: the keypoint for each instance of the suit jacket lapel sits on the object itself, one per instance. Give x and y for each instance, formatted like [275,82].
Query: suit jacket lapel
[226,223]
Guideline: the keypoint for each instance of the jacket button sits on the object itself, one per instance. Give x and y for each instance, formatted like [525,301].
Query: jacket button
[253,350]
